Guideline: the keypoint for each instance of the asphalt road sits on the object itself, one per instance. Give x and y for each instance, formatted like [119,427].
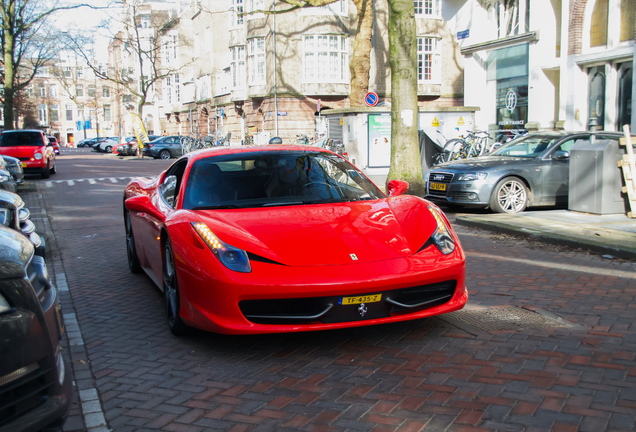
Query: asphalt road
[548,342]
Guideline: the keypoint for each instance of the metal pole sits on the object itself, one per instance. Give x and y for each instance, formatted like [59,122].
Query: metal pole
[275,88]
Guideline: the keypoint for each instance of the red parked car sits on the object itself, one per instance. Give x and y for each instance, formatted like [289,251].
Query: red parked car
[265,239]
[56,144]
[32,148]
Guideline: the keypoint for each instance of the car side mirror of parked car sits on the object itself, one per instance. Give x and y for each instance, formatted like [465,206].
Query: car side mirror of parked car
[397,187]
[143,204]
[561,155]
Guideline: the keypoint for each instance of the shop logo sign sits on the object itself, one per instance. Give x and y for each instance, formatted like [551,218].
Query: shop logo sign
[511,100]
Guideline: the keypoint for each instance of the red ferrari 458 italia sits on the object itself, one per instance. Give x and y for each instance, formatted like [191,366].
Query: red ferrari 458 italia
[266,239]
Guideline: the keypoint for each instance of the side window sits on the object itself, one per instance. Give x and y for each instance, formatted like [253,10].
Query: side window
[171,185]
[567,145]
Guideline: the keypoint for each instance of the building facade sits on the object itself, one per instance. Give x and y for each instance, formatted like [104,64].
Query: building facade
[251,75]
[545,64]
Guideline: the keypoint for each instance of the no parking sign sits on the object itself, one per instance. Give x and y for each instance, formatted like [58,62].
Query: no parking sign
[371,99]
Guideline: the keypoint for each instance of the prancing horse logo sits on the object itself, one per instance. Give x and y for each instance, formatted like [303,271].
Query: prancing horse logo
[362,309]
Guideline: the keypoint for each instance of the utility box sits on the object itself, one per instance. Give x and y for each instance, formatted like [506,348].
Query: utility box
[595,181]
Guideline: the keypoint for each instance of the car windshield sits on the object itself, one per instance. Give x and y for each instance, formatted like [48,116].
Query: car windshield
[16,139]
[526,147]
[274,178]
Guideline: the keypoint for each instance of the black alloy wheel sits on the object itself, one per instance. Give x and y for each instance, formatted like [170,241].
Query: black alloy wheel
[164,154]
[133,260]
[171,292]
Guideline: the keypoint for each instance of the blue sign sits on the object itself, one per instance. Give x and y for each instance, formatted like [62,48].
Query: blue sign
[371,99]
[282,113]
[463,34]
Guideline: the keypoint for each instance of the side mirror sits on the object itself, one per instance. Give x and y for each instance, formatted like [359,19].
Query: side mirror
[397,187]
[142,204]
[561,155]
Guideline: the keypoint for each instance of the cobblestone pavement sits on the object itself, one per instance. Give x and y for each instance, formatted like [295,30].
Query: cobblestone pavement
[438,374]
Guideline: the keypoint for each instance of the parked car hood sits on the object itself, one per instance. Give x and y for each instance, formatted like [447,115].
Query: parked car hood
[327,234]
[483,162]
[10,200]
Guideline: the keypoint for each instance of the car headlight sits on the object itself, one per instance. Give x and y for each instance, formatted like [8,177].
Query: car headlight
[233,258]
[472,176]
[4,305]
[37,156]
[442,237]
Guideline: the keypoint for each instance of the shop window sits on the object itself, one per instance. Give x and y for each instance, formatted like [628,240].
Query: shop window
[256,60]
[325,59]
[628,10]
[428,60]
[598,29]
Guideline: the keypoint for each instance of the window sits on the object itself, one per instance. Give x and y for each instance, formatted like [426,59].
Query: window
[177,94]
[69,112]
[325,58]
[237,13]
[598,28]
[174,47]
[339,7]
[42,90]
[67,71]
[91,90]
[80,73]
[627,20]
[254,5]
[256,60]
[427,8]
[237,66]
[106,91]
[428,60]
[55,113]
[107,116]
[42,114]
[79,90]
[53,90]
[168,90]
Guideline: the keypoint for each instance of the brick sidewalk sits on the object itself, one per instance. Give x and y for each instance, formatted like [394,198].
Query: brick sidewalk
[421,375]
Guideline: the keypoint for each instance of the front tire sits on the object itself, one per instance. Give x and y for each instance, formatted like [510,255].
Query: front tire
[509,196]
[164,154]
[109,149]
[131,251]
[171,294]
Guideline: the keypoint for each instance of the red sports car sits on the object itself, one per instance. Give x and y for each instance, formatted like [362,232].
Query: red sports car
[265,239]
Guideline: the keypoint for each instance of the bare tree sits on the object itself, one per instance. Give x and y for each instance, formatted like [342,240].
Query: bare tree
[140,40]
[25,36]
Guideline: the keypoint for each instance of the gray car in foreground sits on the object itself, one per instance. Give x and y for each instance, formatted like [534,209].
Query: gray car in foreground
[529,171]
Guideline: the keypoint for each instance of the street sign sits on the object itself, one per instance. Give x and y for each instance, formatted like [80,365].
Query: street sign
[371,99]
[463,34]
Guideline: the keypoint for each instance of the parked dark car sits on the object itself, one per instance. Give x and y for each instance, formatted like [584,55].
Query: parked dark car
[14,215]
[55,143]
[35,382]
[14,166]
[90,142]
[164,148]
[529,171]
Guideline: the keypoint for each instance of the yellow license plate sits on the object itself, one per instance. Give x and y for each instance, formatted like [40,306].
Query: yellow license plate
[360,299]
[23,164]
[438,186]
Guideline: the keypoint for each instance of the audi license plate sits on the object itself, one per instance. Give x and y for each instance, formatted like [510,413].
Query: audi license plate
[438,186]
[23,164]
[360,299]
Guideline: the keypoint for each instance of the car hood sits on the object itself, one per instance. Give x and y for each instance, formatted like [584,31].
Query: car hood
[21,151]
[483,162]
[327,234]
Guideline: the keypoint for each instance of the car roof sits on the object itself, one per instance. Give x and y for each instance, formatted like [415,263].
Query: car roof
[225,150]
[23,130]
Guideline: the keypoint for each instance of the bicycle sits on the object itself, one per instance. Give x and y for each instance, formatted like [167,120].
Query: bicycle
[474,144]
[302,139]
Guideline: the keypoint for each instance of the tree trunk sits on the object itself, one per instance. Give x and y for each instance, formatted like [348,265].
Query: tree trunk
[405,151]
[361,57]
[9,75]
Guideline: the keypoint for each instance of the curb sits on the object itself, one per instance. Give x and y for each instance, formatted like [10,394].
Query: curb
[549,238]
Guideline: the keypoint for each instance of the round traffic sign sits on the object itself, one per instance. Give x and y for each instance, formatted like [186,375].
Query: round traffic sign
[371,99]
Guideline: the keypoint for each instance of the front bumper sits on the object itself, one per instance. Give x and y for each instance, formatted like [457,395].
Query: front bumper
[265,300]
[466,193]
